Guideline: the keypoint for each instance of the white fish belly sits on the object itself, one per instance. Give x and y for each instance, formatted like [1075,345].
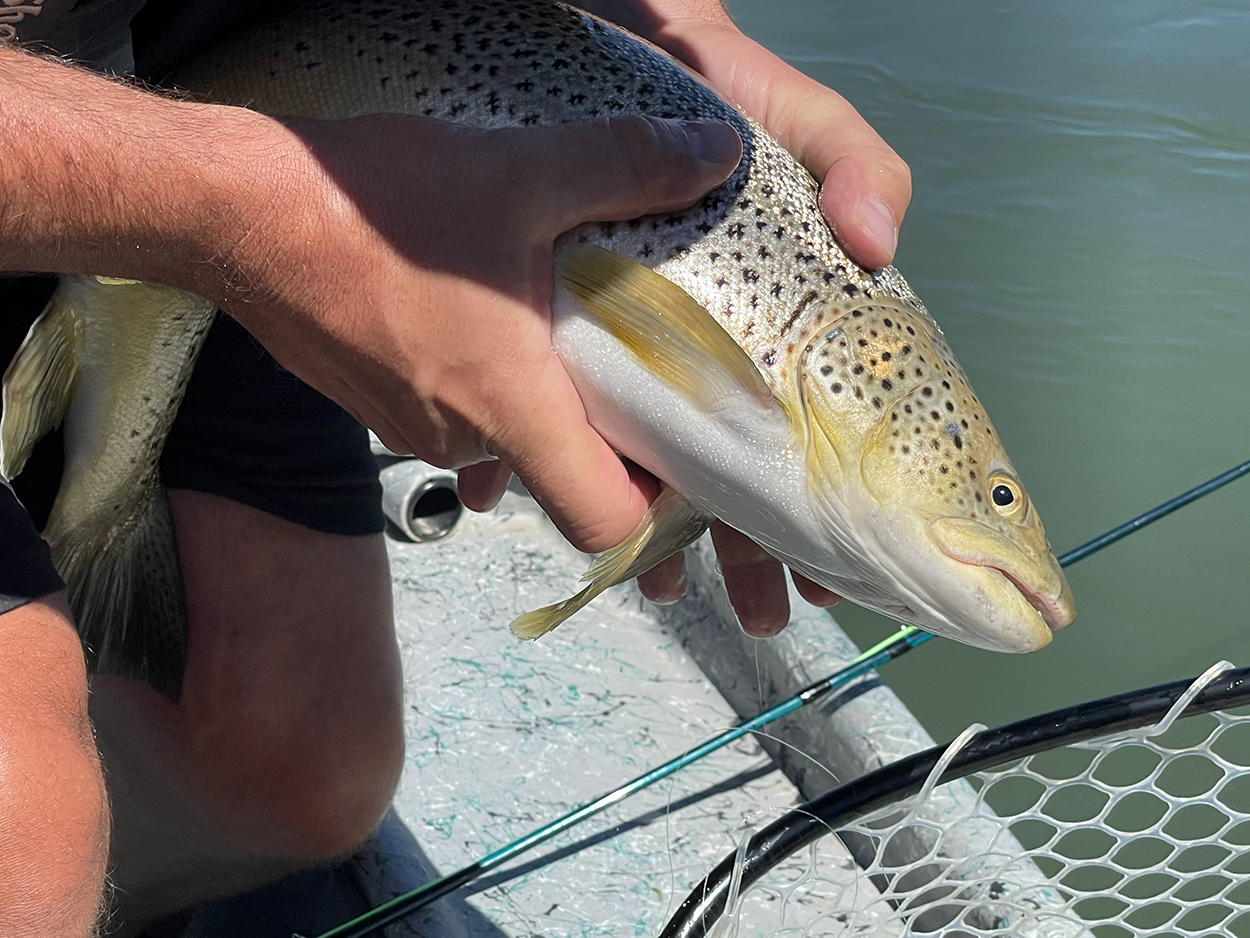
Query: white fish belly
[739,463]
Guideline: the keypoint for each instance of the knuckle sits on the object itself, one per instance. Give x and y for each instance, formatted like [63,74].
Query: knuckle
[891,165]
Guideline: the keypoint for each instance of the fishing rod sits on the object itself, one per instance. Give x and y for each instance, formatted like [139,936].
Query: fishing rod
[885,651]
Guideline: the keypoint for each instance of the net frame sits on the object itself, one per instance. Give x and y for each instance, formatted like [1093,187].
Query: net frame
[891,789]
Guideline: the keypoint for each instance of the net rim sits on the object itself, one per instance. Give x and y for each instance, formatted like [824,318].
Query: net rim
[1131,710]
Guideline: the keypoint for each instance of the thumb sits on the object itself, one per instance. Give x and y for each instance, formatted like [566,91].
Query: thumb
[624,167]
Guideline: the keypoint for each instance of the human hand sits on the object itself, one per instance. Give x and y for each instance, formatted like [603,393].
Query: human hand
[416,290]
[865,185]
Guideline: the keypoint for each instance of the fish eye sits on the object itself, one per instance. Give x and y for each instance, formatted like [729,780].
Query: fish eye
[1006,494]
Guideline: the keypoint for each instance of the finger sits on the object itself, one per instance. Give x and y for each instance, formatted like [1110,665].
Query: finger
[756,583]
[624,167]
[665,583]
[814,593]
[568,467]
[482,485]
[866,185]
[864,196]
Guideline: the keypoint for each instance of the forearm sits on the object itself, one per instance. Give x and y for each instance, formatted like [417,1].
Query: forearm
[53,810]
[100,177]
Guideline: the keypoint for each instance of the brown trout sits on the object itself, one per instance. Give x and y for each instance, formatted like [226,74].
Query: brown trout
[733,349]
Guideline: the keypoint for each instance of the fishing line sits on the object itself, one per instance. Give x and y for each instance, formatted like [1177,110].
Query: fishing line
[884,651]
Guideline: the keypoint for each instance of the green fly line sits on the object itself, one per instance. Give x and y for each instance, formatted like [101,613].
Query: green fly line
[885,651]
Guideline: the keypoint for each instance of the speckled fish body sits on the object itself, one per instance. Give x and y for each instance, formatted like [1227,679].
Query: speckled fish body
[811,404]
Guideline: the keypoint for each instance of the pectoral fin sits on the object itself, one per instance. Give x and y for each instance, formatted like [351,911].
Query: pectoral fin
[670,334]
[669,525]
[39,383]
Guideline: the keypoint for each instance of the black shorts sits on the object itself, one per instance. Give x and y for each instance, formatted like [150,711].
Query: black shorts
[247,430]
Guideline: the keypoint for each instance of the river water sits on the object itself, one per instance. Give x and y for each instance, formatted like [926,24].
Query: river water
[1081,230]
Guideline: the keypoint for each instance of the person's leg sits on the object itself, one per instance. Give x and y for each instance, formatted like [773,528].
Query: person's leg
[287,744]
[53,812]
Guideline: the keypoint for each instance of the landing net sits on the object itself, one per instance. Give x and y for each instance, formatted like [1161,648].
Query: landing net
[1134,833]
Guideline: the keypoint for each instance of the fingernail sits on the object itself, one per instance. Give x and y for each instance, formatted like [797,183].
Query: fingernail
[678,595]
[714,141]
[879,222]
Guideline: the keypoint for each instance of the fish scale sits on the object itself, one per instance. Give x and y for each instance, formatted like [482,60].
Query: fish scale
[731,348]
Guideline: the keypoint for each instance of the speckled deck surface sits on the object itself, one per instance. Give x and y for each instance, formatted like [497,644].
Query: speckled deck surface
[504,736]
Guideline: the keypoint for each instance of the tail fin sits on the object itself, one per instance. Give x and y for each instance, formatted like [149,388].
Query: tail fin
[125,589]
[110,531]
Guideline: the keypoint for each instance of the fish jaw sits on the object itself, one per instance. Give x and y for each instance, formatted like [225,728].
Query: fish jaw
[901,572]
[1039,580]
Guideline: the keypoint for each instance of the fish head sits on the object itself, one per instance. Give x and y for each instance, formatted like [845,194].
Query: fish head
[905,470]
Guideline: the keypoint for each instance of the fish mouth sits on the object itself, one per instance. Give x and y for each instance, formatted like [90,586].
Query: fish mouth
[1055,612]
[1046,590]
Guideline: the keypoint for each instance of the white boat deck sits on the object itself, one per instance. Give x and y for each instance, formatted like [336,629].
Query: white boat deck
[505,736]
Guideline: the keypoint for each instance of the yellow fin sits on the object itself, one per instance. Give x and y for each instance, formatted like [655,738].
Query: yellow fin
[669,525]
[670,334]
[39,383]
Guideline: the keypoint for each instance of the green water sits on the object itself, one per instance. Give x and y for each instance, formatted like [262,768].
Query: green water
[1081,229]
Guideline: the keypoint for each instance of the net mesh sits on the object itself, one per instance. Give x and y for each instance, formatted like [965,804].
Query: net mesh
[1141,833]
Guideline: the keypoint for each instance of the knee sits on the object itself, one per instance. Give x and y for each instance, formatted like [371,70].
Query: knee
[330,790]
[53,811]
[308,778]
[292,699]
